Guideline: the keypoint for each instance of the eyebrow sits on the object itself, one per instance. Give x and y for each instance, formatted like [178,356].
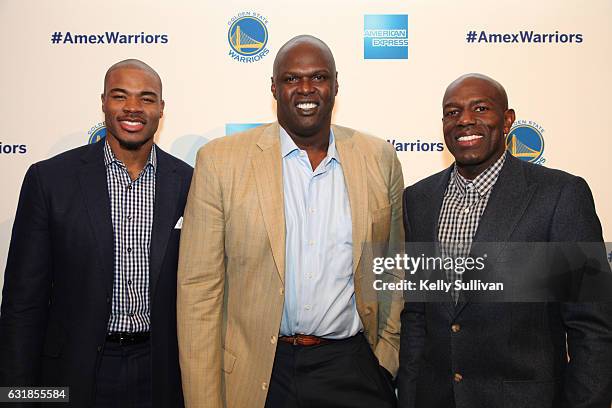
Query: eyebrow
[318,71]
[143,93]
[471,103]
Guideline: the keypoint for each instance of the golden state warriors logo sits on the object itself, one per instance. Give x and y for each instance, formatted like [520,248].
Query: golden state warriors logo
[525,141]
[248,36]
[96,133]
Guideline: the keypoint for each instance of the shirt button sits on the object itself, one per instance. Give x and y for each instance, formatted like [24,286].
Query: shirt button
[455,328]
[129,187]
[460,245]
[309,275]
[273,339]
[129,281]
[312,210]
[129,217]
[466,210]
[458,378]
[129,250]
[311,243]
[307,307]
[264,386]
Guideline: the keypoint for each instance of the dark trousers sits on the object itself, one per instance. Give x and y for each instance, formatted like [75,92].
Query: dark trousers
[124,376]
[340,374]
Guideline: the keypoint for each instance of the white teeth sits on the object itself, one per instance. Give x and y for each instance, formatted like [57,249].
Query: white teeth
[470,137]
[309,105]
[131,123]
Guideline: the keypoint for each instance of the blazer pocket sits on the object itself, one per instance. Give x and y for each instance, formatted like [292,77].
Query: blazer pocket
[529,394]
[381,222]
[228,361]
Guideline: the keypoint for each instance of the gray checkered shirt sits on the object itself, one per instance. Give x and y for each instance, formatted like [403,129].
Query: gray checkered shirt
[464,202]
[132,218]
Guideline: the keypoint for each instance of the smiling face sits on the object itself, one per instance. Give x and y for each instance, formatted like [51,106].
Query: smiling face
[475,122]
[132,107]
[305,85]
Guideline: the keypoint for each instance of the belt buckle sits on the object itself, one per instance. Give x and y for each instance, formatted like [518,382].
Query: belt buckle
[295,340]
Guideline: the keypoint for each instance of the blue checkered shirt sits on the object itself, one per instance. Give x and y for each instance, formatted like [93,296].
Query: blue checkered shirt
[132,218]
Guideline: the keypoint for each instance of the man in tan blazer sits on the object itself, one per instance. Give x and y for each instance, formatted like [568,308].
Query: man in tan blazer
[276,304]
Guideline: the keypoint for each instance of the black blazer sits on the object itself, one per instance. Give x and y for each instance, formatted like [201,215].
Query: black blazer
[508,354]
[58,281]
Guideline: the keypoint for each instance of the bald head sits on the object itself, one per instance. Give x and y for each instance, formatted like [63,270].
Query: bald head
[497,90]
[475,122]
[133,64]
[303,40]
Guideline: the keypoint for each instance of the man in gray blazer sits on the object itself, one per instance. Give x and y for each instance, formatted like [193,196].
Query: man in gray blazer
[462,353]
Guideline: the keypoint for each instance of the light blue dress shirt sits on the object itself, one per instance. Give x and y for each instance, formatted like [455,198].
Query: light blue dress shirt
[319,288]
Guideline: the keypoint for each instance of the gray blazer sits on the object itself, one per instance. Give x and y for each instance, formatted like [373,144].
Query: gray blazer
[508,354]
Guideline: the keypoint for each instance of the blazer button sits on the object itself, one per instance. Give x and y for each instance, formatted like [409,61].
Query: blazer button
[264,386]
[458,377]
[273,339]
[107,299]
[99,349]
[367,311]
[455,328]
[281,291]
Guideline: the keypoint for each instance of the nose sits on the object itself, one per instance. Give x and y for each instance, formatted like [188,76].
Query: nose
[305,87]
[466,117]
[132,104]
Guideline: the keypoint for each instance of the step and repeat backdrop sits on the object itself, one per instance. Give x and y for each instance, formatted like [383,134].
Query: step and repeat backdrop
[394,58]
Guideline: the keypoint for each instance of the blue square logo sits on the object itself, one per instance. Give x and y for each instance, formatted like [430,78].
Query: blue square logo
[385,36]
[231,128]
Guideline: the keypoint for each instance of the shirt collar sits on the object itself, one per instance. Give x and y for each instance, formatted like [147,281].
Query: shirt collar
[288,146]
[109,156]
[483,182]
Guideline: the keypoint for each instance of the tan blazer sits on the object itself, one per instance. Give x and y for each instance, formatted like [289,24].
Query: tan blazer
[232,260]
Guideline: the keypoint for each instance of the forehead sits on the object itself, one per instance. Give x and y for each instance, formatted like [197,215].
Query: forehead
[304,56]
[471,89]
[132,78]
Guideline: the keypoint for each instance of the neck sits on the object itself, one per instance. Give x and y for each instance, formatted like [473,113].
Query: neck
[317,142]
[134,160]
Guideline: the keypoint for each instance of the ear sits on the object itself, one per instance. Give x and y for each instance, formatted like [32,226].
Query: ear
[102,99]
[273,87]
[337,84]
[509,117]
[161,111]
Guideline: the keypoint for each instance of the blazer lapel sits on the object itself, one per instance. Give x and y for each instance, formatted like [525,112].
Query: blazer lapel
[506,206]
[167,191]
[355,178]
[92,178]
[434,197]
[267,167]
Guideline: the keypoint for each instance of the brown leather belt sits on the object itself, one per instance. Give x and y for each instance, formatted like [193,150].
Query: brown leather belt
[304,340]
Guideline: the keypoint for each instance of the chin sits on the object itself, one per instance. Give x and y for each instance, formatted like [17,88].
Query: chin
[469,160]
[132,144]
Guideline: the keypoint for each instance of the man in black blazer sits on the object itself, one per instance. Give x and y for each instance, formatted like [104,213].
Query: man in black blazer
[90,283]
[461,353]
